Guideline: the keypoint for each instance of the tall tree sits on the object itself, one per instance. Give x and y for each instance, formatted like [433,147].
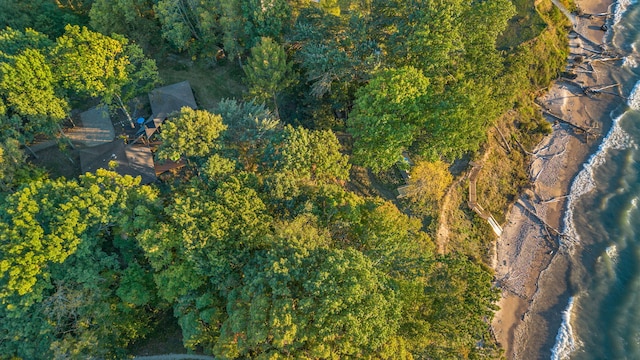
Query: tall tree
[189,24]
[268,72]
[14,170]
[27,89]
[427,185]
[73,283]
[44,16]
[337,55]
[388,116]
[265,18]
[190,133]
[453,44]
[251,127]
[92,64]
[31,102]
[134,19]
[310,156]
[13,41]
[309,304]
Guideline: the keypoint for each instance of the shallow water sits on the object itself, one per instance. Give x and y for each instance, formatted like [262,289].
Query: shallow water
[602,319]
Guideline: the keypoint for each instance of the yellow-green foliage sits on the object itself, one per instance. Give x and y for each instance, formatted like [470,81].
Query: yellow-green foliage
[427,185]
[531,67]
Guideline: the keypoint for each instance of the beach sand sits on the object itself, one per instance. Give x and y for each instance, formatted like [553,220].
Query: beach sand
[531,271]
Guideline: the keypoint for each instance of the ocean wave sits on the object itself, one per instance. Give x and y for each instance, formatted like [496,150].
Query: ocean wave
[620,8]
[630,61]
[634,97]
[612,252]
[616,139]
[566,342]
[584,182]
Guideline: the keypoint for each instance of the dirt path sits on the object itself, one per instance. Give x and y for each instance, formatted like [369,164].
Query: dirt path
[442,234]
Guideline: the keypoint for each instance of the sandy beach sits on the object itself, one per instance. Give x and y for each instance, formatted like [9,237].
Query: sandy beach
[530,268]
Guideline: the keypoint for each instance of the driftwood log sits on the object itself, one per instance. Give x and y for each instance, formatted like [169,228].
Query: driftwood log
[585,130]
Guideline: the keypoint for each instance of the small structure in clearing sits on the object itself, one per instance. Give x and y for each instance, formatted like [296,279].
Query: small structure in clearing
[134,160]
[171,98]
[96,128]
[137,159]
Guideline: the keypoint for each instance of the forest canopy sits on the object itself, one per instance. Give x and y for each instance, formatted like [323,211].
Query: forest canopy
[263,245]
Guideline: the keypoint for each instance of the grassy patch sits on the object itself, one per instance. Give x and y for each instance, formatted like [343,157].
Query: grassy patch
[468,233]
[537,57]
[210,82]
[524,26]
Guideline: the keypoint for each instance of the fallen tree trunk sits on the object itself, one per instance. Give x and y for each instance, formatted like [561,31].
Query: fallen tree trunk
[503,139]
[559,118]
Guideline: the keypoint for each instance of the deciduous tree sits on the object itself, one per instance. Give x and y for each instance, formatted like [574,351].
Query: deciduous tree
[191,25]
[190,133]
[427,185]
[134,19]
[66,262]
[311,155]
[28,91]
[92,64]
[388,116]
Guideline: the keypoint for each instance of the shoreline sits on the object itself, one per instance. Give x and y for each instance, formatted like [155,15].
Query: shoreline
[534,280]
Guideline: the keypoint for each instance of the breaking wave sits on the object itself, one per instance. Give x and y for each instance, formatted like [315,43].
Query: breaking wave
[616,139]
[566,343]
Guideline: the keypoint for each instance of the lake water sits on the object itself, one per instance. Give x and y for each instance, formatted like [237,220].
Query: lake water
[602,318]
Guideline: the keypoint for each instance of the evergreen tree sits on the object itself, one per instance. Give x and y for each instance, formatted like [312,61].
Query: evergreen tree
[268,72]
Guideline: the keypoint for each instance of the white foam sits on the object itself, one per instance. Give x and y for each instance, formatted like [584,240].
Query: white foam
[630,61]
[616,139]
[584,182]
[612,252]
[621,7]
[566,342]
[634,97]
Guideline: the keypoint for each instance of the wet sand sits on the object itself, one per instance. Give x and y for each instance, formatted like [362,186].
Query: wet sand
[531,268]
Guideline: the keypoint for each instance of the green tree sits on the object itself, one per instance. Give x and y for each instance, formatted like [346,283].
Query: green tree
[27,89]
[67,257]
[268,72]
[458,298]
[311,156]
[12,41]
[134,19]
[457,121]
[208,232]
[393,241]
[427,185]
[190,25]
[337,55]
[388,116]
[92,64]
[42,15]
[30,98]
[190,133]
[270,19]
[14,170]
[453,44]
[251,127]
[309,304]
